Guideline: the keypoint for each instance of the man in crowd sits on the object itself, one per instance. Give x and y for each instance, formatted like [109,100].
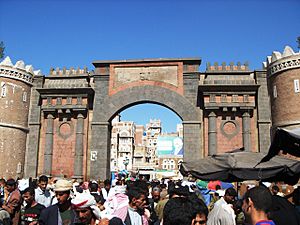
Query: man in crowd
[42,194]
[137,201]
[12,205]
[155,193]
[223,213]
[93,188]
[2,193]
[86,209]
[32,210]
[107,191]
[256,204]
[178,211]
[185,210]
[159,209]
[61,212]
[275,191]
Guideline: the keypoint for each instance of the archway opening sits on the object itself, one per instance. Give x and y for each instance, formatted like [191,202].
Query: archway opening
[147,141]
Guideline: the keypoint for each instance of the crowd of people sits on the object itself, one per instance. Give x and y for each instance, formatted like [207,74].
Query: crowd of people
[141,202]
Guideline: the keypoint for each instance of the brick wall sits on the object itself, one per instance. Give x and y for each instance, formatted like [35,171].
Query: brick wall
[228,143]
[64,141]
[285,107]
[14,107]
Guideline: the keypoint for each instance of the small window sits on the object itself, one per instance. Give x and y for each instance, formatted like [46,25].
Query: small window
[223,98]
[274,91]
[246,98]
[212,98]
[235,98]
[3,90]
[296,86]
[24,97]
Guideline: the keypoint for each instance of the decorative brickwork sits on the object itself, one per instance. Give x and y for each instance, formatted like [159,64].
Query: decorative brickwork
[280,62]
[167,75]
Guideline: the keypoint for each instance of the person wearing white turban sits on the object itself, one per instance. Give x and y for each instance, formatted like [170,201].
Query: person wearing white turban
[86,208]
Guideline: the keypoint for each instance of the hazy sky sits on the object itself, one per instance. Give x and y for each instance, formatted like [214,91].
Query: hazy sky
[74,33]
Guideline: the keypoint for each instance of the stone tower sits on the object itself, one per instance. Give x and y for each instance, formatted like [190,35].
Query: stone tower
[284,88]
[16,81]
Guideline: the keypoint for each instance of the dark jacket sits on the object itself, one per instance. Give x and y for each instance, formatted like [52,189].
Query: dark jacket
[154,220]
[49,216]
[283,212]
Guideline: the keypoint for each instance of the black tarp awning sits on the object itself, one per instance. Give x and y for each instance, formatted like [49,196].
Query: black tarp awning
[286,140]
[239,166]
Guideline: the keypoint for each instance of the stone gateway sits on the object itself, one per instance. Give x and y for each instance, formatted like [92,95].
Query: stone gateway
[60,124]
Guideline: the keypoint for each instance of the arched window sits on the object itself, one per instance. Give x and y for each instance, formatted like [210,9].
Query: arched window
[165,164]
[172,164]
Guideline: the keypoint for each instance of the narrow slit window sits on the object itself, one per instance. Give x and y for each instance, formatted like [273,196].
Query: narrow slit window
[274,91]
[3,90]
[296,86]
[24,97]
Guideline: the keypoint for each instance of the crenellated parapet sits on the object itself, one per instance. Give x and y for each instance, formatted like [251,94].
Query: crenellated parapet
[227,68]
[283,79]
[220,75]
[68,72]
[19,71]
[279,62]
[67,78]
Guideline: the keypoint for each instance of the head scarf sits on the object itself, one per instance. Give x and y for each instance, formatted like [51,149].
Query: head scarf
[86,200]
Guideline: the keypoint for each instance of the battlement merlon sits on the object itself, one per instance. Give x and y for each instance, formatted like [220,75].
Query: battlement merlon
[227,68]
[278,62]
[19,71]
[64,72]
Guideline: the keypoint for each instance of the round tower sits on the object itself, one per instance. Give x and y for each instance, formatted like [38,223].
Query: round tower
[15,87]
[284,88]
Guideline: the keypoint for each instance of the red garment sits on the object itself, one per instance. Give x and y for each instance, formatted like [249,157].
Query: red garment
[212,184]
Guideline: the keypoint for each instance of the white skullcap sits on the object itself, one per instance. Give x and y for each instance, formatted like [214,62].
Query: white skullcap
[63,185]
[86,200]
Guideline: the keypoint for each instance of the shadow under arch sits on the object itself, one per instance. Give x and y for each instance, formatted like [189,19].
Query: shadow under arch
[112,105]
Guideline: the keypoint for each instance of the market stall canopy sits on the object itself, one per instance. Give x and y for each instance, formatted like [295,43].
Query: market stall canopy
[286,140]
[165,174]
[239,166]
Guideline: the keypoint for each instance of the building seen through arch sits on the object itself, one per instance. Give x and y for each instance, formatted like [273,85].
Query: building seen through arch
[145,150]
